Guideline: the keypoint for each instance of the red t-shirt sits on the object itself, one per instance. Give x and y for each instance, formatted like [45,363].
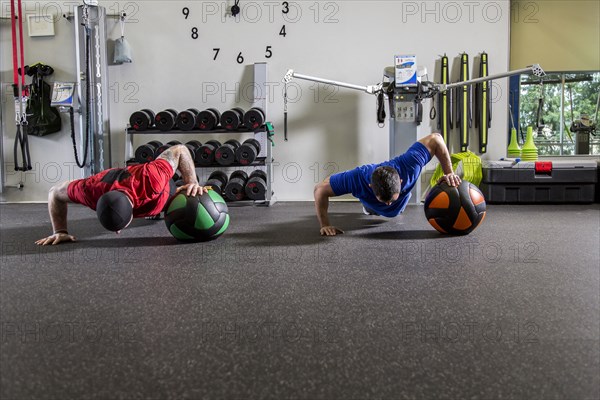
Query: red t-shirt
[146,185]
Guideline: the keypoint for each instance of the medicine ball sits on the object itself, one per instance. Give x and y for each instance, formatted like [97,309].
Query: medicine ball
[455,210]
[198,218]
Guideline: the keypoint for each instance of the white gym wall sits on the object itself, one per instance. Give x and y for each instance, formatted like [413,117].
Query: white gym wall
[330,129]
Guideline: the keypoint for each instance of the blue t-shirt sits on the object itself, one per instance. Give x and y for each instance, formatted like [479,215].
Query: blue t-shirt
[356,181]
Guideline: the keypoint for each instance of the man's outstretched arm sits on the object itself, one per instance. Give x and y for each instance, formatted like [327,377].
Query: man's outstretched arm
[437,147]
[180,158]
[323,192]
[57,208]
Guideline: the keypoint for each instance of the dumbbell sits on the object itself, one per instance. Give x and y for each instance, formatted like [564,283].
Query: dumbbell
[186,120]
[225,155]
[247,152]
[205,155]
[165,120]
[234,190]
[256,187]
[254,118]
[218,181]
[232,119]
[164,147]
[147,152]
[193,146]
[142,120]
[208,119]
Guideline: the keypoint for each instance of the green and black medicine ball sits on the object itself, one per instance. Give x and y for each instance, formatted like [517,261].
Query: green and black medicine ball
[198,218]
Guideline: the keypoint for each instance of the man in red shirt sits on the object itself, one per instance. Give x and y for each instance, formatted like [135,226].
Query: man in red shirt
[120,194]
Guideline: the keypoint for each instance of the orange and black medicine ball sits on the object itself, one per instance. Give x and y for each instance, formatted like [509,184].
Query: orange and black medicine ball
[455,210]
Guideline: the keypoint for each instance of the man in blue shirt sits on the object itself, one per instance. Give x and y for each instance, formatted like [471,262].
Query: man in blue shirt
[384,189]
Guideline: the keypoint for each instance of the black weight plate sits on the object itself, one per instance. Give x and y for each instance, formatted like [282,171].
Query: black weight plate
[217,114]
[232,119]
[218,180]
[239,174]
[155,143]
[205,155]
[235,187]
[145,153]
[256,187]
[219,175]
[254,118]
[233,142]
[258,173]
[225,155]
[186,120]
[194,143]
[161,150]
[208,119]
[247,152]
[165,120]
[150,113]
[141,120]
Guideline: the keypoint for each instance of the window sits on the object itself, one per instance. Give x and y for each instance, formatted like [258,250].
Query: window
[569,111]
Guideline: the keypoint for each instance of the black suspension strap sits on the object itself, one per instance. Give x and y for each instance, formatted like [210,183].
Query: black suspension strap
[445,103]
[483,106]
[380,108]
[87,99]
[540,110]
[285,111]
[463,109]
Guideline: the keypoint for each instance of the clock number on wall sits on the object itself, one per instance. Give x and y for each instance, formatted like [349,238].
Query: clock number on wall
[216,50]
[286,7]
[269,52]
[240,59]
[282,31]
[194,33]
[186,12]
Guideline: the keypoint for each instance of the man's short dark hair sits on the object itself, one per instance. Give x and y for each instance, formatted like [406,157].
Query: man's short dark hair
[385,182]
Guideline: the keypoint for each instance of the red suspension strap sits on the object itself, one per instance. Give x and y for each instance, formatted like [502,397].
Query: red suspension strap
[13,25]
[20,90]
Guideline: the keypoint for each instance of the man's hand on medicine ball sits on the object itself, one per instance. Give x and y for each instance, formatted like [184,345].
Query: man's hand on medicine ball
[192,189]
[451,179]
[330,231]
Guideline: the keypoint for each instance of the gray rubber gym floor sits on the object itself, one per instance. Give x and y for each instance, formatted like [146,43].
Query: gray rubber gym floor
[272,310]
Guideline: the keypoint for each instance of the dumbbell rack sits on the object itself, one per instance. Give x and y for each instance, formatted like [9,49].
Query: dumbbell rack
[264,159]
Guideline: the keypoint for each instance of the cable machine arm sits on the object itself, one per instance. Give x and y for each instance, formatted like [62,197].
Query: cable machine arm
[429,88]
[371,89]
[423,90]
[534,69]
